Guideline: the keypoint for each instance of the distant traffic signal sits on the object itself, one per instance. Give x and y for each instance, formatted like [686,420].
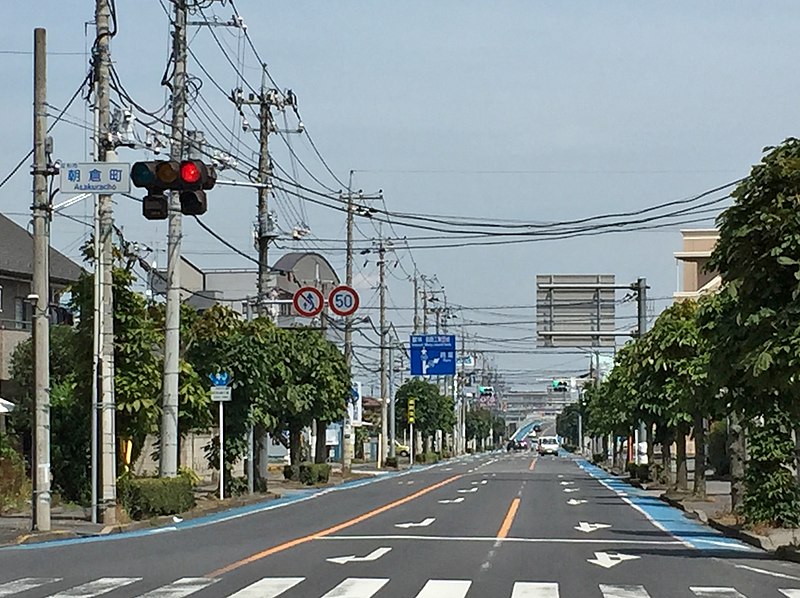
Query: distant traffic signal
[190,178]
[560,386]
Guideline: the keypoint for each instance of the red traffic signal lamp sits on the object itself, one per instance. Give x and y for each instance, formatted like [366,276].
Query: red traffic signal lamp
[190,177]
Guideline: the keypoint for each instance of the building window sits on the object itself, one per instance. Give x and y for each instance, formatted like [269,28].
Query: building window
[19,313]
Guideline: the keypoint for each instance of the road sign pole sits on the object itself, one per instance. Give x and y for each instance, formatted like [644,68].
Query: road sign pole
[411,444]
[221,450]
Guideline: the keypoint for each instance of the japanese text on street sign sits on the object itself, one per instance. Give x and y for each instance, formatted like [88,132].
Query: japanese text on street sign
[433,355]
[220,393]
[95,177]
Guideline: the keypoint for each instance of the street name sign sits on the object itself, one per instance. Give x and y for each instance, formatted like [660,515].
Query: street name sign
[220,393]
[433,355]
[95,177]
[308,301]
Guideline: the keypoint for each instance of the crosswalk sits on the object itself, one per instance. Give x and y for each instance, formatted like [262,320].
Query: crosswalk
[352,587]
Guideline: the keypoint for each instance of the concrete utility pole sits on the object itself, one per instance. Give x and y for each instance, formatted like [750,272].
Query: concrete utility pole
[641,296]
[384,378]
[347,428]
[41,288]
[172,338]
[265,229]
[392,430]
[416,302]
[105,153]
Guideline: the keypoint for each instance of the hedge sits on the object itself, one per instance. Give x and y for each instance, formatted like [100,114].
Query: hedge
[308,473]
[149,497]
[426,457]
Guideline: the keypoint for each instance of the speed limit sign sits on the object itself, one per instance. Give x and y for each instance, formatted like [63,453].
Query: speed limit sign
[308,301]
[343,300]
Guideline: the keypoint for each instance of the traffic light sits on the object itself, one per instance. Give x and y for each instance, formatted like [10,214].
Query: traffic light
[560,386]
[412,416]
[190,178]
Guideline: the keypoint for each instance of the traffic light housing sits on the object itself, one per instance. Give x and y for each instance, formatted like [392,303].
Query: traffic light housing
[190,178]
[560,386]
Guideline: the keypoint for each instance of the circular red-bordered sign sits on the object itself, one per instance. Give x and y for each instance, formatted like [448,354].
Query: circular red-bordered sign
[308,301]
[343,300]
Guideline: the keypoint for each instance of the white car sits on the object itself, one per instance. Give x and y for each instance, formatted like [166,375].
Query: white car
[548,445]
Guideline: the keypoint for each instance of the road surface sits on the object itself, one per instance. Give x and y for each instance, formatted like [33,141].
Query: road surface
[493,526]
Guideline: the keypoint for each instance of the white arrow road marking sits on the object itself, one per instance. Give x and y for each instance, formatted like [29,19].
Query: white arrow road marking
[467,490]
[565,483]
[450,501]
[269,587]
[180,588]
[608,560]
[561,475]
[98,587]
[623,591]
[525,589]
[703,592]
[12,588]
[357,587]
[790,593]
[445,588]
[583,526]
[573,501]
[568,490]
[423,523]
[372,556]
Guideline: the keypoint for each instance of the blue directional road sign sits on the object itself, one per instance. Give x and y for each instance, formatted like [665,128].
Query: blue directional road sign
[220,378]
[433,355]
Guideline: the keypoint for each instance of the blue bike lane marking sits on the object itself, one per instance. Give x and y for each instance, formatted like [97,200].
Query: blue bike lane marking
[228,514]
[666,518]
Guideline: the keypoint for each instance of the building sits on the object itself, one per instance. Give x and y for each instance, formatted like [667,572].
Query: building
[693,280]
[237,287]
[16,276]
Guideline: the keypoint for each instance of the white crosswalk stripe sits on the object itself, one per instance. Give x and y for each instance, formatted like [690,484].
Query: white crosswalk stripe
[357,587]
[12,588]
[98,587]
[269,587]
[351,587]
[445,588]
[180,588]
[528,589]
[624,591]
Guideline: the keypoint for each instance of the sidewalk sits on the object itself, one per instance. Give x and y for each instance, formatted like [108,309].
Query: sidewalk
[74,521]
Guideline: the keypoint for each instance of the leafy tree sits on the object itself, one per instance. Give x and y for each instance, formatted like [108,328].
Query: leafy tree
[567,423]
[69,412]
[753,325]
[433,410]
[478,425]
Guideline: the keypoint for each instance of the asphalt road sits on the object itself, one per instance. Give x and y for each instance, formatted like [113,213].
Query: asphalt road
[495,526]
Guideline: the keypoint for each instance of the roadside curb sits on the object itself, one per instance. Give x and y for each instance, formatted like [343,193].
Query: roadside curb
[784,552]
[226,513]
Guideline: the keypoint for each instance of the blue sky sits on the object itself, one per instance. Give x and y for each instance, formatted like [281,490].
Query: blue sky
[596,107]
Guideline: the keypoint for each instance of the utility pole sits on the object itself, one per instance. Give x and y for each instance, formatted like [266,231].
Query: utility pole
[416,302]
[105,153]
[347,428]
[169,417]
[424,305]
[641,296]
[265,233]
[392,430]
[41,288]
[384,378]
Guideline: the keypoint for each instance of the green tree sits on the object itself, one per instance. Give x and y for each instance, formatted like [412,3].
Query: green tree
[433,410]
[478,425]
[753,326]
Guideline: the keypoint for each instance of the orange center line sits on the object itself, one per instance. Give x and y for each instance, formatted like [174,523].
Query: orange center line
[533,464]
[512,512]
[331,530]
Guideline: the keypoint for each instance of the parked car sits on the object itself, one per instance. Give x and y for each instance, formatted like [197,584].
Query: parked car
[548,445]
[401,449]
